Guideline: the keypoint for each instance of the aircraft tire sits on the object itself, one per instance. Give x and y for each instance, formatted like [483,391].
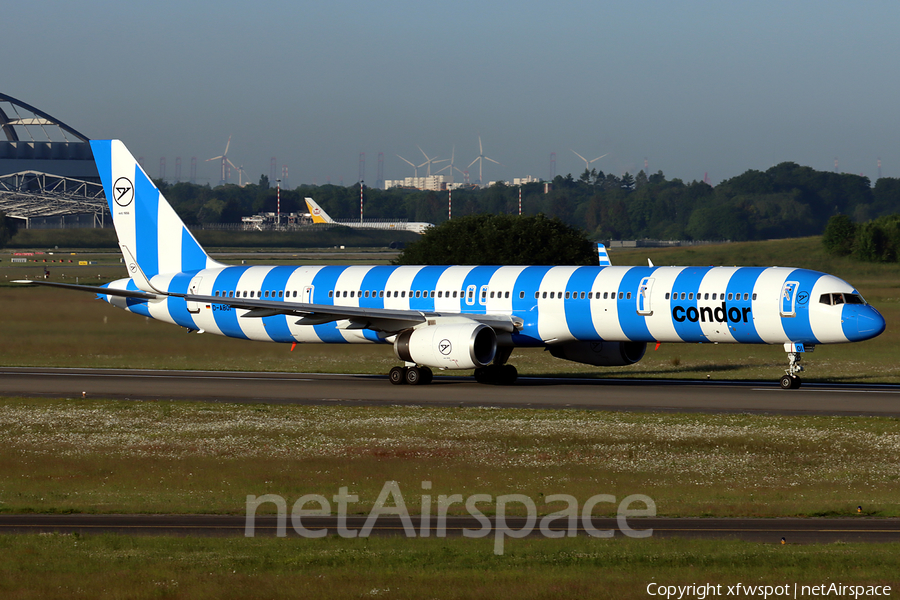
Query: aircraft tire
[427,375]
[413,376]
[787,383]
[397,375]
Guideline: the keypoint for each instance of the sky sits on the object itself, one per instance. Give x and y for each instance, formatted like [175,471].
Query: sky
[694,88]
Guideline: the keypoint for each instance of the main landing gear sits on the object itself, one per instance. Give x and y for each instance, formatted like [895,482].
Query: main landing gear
[791,381]
[411,375]
[497,374]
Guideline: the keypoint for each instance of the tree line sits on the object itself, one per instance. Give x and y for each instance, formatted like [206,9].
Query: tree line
[877,240]
[787,200]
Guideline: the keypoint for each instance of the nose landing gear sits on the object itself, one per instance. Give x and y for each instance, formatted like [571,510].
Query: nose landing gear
[791,381]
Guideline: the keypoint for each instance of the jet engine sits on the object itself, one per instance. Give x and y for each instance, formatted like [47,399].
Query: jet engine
[451,346]
[601,354]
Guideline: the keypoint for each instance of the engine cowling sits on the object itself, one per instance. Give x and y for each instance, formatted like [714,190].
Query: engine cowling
[450,346]
[601,354]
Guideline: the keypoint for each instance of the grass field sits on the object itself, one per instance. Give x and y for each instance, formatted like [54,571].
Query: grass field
[55,566]
[186,457]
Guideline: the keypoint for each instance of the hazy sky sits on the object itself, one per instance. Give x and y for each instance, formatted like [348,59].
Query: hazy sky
[694,87]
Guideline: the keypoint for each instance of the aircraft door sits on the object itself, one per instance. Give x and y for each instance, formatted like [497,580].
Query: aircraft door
[643,297]
[194,289]
[789,298]
[470,295]
[308,294]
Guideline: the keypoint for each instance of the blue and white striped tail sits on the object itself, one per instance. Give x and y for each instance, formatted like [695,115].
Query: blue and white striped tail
[148,228]
[603,256]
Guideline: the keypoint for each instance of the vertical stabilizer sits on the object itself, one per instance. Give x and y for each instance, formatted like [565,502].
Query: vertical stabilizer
[317,213]
[603,256]
[150,232]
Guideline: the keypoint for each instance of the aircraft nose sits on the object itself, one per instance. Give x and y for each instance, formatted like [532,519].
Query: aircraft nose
[870,323]
[862,323]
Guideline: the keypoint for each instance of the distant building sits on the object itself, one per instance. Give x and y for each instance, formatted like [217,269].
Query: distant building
[434,183]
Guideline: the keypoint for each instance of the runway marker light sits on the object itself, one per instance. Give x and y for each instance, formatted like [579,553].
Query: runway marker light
[783,541]
[84,394]
[859,509]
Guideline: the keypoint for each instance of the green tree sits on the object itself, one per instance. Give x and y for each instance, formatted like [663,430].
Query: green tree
[500,240]
[839,235]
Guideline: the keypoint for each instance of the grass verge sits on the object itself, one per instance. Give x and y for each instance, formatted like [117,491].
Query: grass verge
[55,566]
[186,457]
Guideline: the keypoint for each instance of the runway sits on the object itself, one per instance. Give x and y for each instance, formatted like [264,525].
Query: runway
[793,530]
[528,392]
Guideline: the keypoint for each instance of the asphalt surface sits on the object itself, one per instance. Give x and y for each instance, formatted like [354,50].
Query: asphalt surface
[528,392]
[794,531]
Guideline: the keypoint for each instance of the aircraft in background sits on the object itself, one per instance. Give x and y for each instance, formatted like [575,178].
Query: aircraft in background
[318,215]
[463,317]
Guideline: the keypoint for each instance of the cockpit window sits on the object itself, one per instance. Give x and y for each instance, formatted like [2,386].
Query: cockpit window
[836,299]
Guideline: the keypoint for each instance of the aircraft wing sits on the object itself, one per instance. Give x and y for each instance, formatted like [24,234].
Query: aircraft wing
[96,289]
[387,320]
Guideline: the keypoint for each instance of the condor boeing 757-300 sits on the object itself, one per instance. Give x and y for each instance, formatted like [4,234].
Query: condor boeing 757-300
[463,317]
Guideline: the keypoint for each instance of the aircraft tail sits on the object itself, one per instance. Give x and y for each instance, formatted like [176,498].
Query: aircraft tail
[603,256]
[317,213]
[152,236]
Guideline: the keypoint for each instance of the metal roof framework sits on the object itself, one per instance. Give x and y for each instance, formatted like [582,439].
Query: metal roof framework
[33,194]
[16,117]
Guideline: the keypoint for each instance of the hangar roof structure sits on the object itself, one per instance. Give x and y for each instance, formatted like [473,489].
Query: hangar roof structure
[46,166]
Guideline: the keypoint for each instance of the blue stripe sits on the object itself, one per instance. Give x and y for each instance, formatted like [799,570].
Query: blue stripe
[193,258]
[478,277]
[741,283]
[277,326]
[633,325]
[102,150]
[797,328]
[177,307]
[136,305]
[324,282]
[376,280]
[425,280]
[528,281]
[688,281]
[146,215]
[227,320]
[578,311]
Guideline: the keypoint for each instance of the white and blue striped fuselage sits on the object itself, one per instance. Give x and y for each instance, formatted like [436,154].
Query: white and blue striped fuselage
[555,305]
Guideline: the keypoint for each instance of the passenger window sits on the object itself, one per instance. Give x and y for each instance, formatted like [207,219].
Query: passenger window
[331,294]
[521,295]
[682,295]
[454,293]
[417,294]
[606,295]
[621,295]
[492,294]
[706,296]
[231,294]
[381,294]
[746,296]
[730,296]
[628,296]
[440,294]
[667,295]
[691,296]
[582,295]
[552,294]
[545,295]
[251,293]
[754,295]
[567,296]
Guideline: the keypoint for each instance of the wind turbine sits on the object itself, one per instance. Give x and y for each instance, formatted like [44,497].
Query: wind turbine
[480,160]
[451,166]
[429,161]
[588,163]
[410,163]
[225,162]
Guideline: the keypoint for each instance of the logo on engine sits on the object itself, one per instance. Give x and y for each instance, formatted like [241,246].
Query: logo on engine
[445,347]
